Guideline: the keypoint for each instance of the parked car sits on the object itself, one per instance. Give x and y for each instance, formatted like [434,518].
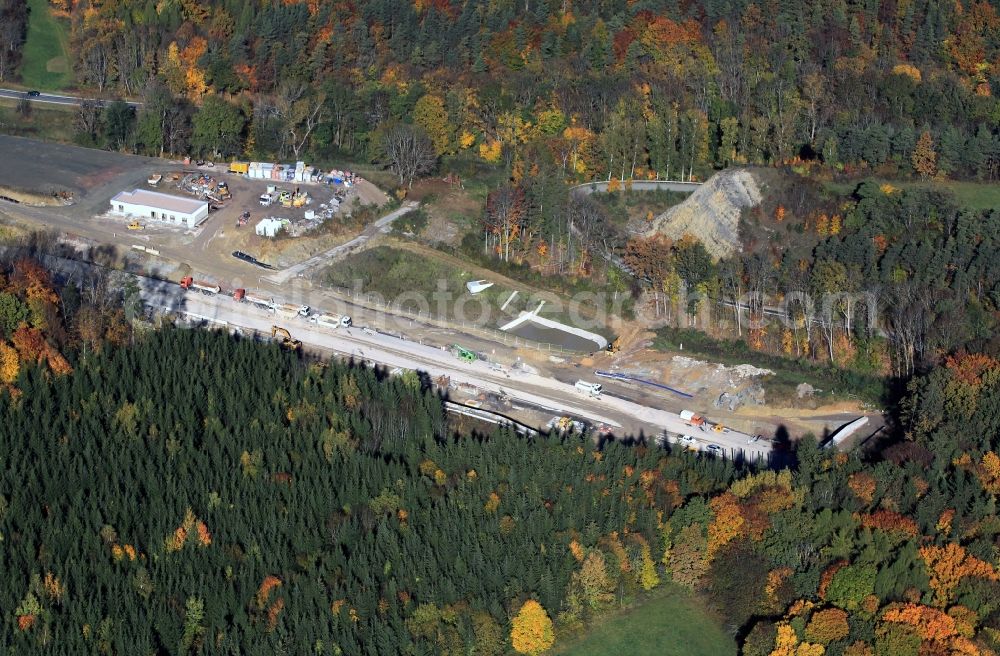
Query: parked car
[688,440]
[715,449]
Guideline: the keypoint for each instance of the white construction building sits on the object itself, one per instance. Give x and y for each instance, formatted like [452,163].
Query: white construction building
[269,227]
[144,204]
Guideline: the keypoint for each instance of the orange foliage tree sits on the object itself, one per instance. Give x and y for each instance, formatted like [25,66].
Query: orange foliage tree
[948,565]
[726,525]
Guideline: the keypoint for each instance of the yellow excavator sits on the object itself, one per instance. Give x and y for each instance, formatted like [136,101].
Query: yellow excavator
[135,225]
[287,341]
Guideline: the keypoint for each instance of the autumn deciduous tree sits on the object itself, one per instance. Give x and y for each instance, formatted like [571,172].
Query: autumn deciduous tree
[430,114]
[924,157]
[531,630]
[726,525]
[596,587]
[948,565]
[10,364]
[505,212]
[827,625]
[408,151]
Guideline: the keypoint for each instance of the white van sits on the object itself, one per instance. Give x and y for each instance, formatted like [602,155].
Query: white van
[593,389]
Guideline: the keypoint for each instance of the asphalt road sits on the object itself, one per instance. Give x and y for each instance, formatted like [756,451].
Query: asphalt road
[640,185]
[57,99]
[389,351]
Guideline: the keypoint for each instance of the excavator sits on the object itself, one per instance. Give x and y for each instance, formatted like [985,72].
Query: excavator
[465,354]
[614,346]
[286,338]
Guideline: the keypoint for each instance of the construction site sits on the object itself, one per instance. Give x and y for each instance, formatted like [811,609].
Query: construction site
[284,269]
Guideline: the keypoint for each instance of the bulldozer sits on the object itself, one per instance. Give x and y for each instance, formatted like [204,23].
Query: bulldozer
[287,341]
[135,225]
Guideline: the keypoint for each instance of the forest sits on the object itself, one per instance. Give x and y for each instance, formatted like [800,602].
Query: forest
[659,88]
[274,504]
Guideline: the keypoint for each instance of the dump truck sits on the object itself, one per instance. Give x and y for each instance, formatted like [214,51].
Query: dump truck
[291,310]
[693,419]
[189,283]
[264,302]
[331,320]
[287,340]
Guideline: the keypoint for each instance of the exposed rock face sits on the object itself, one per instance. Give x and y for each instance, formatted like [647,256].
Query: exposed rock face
[712,213]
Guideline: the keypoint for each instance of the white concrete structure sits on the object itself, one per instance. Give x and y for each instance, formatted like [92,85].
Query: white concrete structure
[144,204]
[269,227]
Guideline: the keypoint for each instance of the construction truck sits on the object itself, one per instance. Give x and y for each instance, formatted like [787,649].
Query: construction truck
[331,320]
[287,341]
[465,354]
[188,283]
[291,310]
[262,301]
[135,225]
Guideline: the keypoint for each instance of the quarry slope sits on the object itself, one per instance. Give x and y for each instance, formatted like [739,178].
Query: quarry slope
[712,213]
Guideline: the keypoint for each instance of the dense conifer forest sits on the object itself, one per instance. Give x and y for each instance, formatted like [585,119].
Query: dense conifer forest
[194,493]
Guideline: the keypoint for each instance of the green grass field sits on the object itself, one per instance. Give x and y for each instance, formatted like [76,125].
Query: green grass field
[670,624]
[46,122]
[46,56]
[975,195]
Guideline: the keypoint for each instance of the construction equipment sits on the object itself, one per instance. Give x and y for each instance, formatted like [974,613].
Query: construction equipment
[291,310]
[614,346]
[287,341]
[135,225]
[188,283]
[331,320]
[465,354]
[261,301]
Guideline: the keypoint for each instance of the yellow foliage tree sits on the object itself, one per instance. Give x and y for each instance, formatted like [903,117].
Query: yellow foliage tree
[490,151]
[648,577]
[989,472]
[786,643]
[531,630]
[429,113]
[10,364]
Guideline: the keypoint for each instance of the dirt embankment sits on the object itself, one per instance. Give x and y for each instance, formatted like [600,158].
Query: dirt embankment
[712,213]
[35,199]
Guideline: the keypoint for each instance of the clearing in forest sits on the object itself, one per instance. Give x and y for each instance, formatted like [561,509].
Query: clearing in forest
[670,624]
